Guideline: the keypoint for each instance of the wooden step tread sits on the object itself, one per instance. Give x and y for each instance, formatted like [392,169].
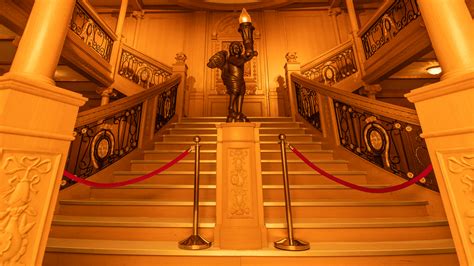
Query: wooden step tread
[167,161]
[162,186]
[177,152]
[342,203]
[321,249]
[322,187]
[334,172]
[121,202]
[130,221]
[358,222]
[299,161]
[168,172]
[302,151]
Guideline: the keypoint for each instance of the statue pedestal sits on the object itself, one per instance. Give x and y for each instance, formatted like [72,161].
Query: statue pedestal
[239,198]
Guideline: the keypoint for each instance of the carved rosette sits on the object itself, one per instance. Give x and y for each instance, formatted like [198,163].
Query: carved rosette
[457,167]
[22,179]
[180,58]
[239,185]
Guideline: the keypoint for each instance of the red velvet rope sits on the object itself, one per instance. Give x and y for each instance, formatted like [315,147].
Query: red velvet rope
[412,181]
[127,182]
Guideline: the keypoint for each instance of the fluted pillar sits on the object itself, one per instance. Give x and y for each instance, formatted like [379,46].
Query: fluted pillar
[445,110]
[36,124]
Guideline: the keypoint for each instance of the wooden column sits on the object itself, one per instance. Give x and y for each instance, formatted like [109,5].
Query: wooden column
[445,110]
[36,124]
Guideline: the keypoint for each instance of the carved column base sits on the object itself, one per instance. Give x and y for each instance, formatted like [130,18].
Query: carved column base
[36,124]
[446,117]
[239,209]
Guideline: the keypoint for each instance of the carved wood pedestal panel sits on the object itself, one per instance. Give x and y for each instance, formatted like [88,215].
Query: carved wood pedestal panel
[239,221]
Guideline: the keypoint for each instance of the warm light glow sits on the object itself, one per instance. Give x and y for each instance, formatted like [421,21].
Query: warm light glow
[244,16]
[434,70]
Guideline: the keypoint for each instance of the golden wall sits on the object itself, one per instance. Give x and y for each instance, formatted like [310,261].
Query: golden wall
[200,34]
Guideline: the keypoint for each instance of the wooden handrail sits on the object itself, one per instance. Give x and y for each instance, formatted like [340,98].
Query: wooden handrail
[375,17]
[104,111]
[325,56]
[103,25]
[147,58]
[377,107]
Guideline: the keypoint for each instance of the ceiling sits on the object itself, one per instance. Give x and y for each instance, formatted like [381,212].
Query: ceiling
[227,5]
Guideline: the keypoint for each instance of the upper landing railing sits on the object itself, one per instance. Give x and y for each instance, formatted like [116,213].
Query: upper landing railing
[385,25]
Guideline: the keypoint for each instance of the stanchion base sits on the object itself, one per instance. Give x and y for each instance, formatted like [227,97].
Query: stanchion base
[298,245]
[194,242]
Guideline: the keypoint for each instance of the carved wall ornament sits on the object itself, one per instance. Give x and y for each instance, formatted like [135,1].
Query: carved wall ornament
[17,216]
[239,196]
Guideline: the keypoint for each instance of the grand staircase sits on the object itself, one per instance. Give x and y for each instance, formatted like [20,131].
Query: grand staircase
[141,224]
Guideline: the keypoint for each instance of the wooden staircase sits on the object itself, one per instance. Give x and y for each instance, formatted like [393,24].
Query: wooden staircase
[141,224]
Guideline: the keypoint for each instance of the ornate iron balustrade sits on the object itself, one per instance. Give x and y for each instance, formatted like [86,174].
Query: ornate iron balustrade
[140,71]
[101,143]
[391,144]
[91,32]
[333,69]
[388,25]
[308,105]
[166,107]
[382,133]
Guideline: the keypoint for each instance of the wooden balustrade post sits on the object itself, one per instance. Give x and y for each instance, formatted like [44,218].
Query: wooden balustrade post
[291,66]
[181,68]
[36,124]
[445,110]
[359,50]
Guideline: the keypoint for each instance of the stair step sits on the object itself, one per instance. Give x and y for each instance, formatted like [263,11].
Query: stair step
[128,228]
[346,209]
[317,192]
[183,145]
[312,177]
[361,229]
[135,208]
[305,145]
[436,252]
[212,124]
[274,154]
[289,137]
[171,154]
[183,165]
[195,131]
[282,130]
[155,192]
[297,164]
[168,177]
[189,137]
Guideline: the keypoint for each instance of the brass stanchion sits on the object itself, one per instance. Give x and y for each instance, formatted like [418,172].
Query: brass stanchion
[288,243]
[195,241]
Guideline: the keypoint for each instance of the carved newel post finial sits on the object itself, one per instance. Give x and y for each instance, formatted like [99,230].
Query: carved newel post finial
[180,58]
[231,63]
[291,58]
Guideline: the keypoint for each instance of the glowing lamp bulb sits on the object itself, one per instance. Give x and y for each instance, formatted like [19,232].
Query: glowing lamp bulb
[244,16]
[434,70]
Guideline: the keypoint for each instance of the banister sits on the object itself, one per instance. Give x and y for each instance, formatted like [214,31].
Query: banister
[103,25]
[326,55]
[101,112]
[148,59]
[389,110]
[375,17]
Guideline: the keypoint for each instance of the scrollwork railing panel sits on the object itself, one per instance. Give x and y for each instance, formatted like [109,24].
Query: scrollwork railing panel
[308,105]
[101,143]
[388,25]
[166,107]
[141,72]
[393,145]
[84,26]
[333,69]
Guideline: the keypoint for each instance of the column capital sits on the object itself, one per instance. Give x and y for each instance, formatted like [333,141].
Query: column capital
[138,14]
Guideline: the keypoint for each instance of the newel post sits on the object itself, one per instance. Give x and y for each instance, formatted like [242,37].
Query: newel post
[291,66]
[181,68]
